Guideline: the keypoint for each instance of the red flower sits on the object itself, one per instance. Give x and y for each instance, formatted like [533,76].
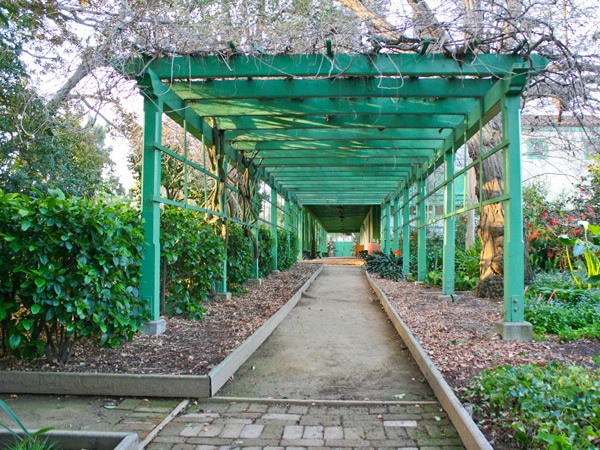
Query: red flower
[398,252]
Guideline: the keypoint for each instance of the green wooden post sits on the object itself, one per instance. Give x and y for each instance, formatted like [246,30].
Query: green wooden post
[514,326]
[287,221]
[386,228]
[151,179]
[274,224]
[255,253]
[406,232]
[449,227]
[256,248]
[421,233]
[222,283]
[396,238]
[300,232]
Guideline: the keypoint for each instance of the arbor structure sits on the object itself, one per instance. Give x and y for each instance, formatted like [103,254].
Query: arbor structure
[339,136]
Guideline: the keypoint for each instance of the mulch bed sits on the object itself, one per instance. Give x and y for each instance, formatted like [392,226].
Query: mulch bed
[188,347]
[461,341]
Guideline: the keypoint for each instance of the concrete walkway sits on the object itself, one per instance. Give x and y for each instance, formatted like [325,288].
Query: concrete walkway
[336,344]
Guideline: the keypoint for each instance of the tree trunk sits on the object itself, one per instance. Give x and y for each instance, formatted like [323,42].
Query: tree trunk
[491,222]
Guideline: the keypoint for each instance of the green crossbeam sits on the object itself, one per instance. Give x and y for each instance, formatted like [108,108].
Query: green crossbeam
[406,134]
[336,106]
[240,89]
[386,64]
[329,121]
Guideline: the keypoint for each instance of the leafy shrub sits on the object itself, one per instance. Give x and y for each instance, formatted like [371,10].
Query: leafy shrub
[287,249]
[239,256]
[554,304]
[387,266]
[70,269]
[265,249]
[192,257]
[546,407]
[586,269]
[466,264]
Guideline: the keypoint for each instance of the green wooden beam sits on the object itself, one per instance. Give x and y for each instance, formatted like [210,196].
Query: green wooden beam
[434,121]
[382,163]
[336,106]
[393,87]
[374,153]
[395,134]
[384,64]
[253,146]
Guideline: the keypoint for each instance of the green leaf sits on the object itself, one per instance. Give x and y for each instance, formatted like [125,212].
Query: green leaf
[14,418]
[14,341]
[40,282]
[594,229]
[35,309]
[579,249]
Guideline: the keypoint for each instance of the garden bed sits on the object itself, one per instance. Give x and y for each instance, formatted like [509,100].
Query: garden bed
[188,347]
[461,341]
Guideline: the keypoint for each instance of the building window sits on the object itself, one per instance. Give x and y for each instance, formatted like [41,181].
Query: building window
[537,149]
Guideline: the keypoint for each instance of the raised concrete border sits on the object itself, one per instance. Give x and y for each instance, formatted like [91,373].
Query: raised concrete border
[223,372]
[70,440]
[144,385]
[470,434]
[128,385]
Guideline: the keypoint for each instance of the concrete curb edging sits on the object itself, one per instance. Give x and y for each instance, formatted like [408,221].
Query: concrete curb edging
[469,433]
[127,385]
[223,372]
[81,439]
[147,385]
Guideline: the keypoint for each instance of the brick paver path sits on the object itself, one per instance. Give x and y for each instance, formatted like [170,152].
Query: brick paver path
[257,425]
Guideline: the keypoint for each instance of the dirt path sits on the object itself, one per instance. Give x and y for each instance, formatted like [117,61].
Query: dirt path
[336,344]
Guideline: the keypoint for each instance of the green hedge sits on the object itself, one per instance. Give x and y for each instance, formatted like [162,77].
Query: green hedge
[287,249]
[265,249]
[192,255]
[70,269]
[239,256]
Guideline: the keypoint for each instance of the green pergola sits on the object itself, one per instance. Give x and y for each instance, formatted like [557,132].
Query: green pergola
[340,132]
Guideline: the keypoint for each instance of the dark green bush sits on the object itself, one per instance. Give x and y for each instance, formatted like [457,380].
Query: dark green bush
[554,304]
[192,257]
[547,407]
[287,249]
[466,263]
[70,269]
[265,248]
[239,256]
[387,266]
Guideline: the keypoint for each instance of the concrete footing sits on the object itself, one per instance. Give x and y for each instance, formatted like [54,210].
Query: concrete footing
[222,296]
[515,331]
[254,282]
[154,327]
